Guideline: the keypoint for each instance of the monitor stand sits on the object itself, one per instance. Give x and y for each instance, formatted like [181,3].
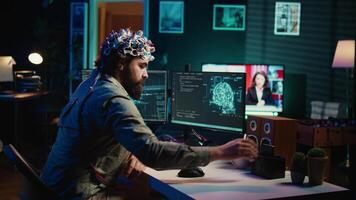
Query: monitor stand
[191,172]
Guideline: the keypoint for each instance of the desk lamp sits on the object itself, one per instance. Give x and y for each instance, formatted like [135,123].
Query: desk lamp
[35,58]
[6,70]
[344,58]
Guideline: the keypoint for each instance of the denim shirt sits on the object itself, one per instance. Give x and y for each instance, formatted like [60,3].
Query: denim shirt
[99,128]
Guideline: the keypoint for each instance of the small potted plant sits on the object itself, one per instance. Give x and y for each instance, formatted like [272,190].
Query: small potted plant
[298,168]
[317,160]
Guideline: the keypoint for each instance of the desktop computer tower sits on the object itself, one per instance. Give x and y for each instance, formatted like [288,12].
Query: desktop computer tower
[280,132]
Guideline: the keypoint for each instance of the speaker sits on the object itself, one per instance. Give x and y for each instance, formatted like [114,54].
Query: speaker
[254,138]
[253,128]
[253,125]
[280,132]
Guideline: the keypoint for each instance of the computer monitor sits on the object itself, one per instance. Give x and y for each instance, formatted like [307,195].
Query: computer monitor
[209,99]
[6,70]
[273,92]
[6,73]
[153,102]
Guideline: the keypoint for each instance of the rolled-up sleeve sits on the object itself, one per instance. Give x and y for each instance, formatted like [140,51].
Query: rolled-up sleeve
[131,132]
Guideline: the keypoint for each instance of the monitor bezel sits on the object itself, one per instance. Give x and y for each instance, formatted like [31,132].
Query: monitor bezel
[216,128]
[283,81]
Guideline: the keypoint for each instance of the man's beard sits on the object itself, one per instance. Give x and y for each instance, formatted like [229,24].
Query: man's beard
[134,89]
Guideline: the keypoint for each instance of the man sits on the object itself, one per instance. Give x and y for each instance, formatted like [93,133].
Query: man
[101,133]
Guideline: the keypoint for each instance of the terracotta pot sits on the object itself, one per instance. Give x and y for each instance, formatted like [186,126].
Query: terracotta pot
[316,170]
[297,177]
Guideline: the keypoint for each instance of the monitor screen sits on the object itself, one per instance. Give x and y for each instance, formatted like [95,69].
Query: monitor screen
[152,104]
[264,84]
[210,100]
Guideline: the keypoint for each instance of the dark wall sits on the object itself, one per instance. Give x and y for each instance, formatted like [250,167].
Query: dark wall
[17,20]
[34,26]
[199,43]
[308,55]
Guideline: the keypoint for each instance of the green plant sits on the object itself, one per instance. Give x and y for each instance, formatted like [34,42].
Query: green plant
[316,153]
[299,162]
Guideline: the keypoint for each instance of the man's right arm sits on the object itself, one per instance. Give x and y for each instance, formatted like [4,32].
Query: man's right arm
[131,131]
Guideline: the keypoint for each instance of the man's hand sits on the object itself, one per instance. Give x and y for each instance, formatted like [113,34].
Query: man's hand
[239,148]
[134,168]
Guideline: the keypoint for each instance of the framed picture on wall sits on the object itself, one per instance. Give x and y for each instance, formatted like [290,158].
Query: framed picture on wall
[287,18]
[171,16]
[78,42]
[229,17]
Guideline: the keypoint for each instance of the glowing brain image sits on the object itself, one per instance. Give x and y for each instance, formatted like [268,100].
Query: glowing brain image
[223,96]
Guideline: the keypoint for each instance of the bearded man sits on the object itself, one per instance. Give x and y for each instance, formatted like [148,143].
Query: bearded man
[102,137]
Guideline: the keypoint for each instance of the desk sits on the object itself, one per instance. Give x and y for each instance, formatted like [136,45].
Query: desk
[222,181]
[16,98]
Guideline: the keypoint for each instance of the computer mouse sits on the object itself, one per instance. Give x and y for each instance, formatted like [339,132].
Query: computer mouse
[191,172]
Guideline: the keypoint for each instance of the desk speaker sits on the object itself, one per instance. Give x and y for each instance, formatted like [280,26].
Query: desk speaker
[280,132]
[253,125]
[253,128]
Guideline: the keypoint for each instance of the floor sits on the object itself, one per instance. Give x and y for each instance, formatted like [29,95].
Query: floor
[10,180]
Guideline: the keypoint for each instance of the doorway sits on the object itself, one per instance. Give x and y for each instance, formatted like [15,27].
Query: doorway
[108,15]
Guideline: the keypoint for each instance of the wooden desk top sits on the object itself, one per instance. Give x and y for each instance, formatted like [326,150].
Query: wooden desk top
[222,181]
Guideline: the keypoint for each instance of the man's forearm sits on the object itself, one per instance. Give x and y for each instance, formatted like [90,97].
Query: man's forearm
[215,153]
[167,155]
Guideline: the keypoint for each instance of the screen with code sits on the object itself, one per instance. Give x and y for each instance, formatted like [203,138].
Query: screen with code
[209,99]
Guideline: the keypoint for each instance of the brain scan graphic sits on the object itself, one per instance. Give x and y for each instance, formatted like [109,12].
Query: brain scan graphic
[223,96]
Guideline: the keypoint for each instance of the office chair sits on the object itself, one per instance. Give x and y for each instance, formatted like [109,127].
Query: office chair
[317,108]
[33,187]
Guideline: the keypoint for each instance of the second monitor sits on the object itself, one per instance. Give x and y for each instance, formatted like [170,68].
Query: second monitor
[152,104]
[267,99]
[210,100]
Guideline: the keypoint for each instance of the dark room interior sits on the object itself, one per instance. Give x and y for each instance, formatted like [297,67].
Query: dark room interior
[202,99]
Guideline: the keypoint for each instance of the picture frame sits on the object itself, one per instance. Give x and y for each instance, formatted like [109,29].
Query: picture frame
[287,18]
[78,38]
[229,17]
[171,17]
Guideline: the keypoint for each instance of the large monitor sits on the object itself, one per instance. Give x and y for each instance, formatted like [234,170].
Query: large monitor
[269,99]
[210,100]
[152,104]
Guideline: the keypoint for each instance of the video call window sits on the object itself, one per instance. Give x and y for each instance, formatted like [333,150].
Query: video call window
[210,100]
[264,84]
[152,104]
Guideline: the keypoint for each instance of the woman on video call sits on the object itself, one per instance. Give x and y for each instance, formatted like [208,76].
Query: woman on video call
[259,92]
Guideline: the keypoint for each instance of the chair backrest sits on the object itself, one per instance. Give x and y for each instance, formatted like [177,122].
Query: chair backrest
[331,109]
[317,108]
[324,110]
[35,188]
